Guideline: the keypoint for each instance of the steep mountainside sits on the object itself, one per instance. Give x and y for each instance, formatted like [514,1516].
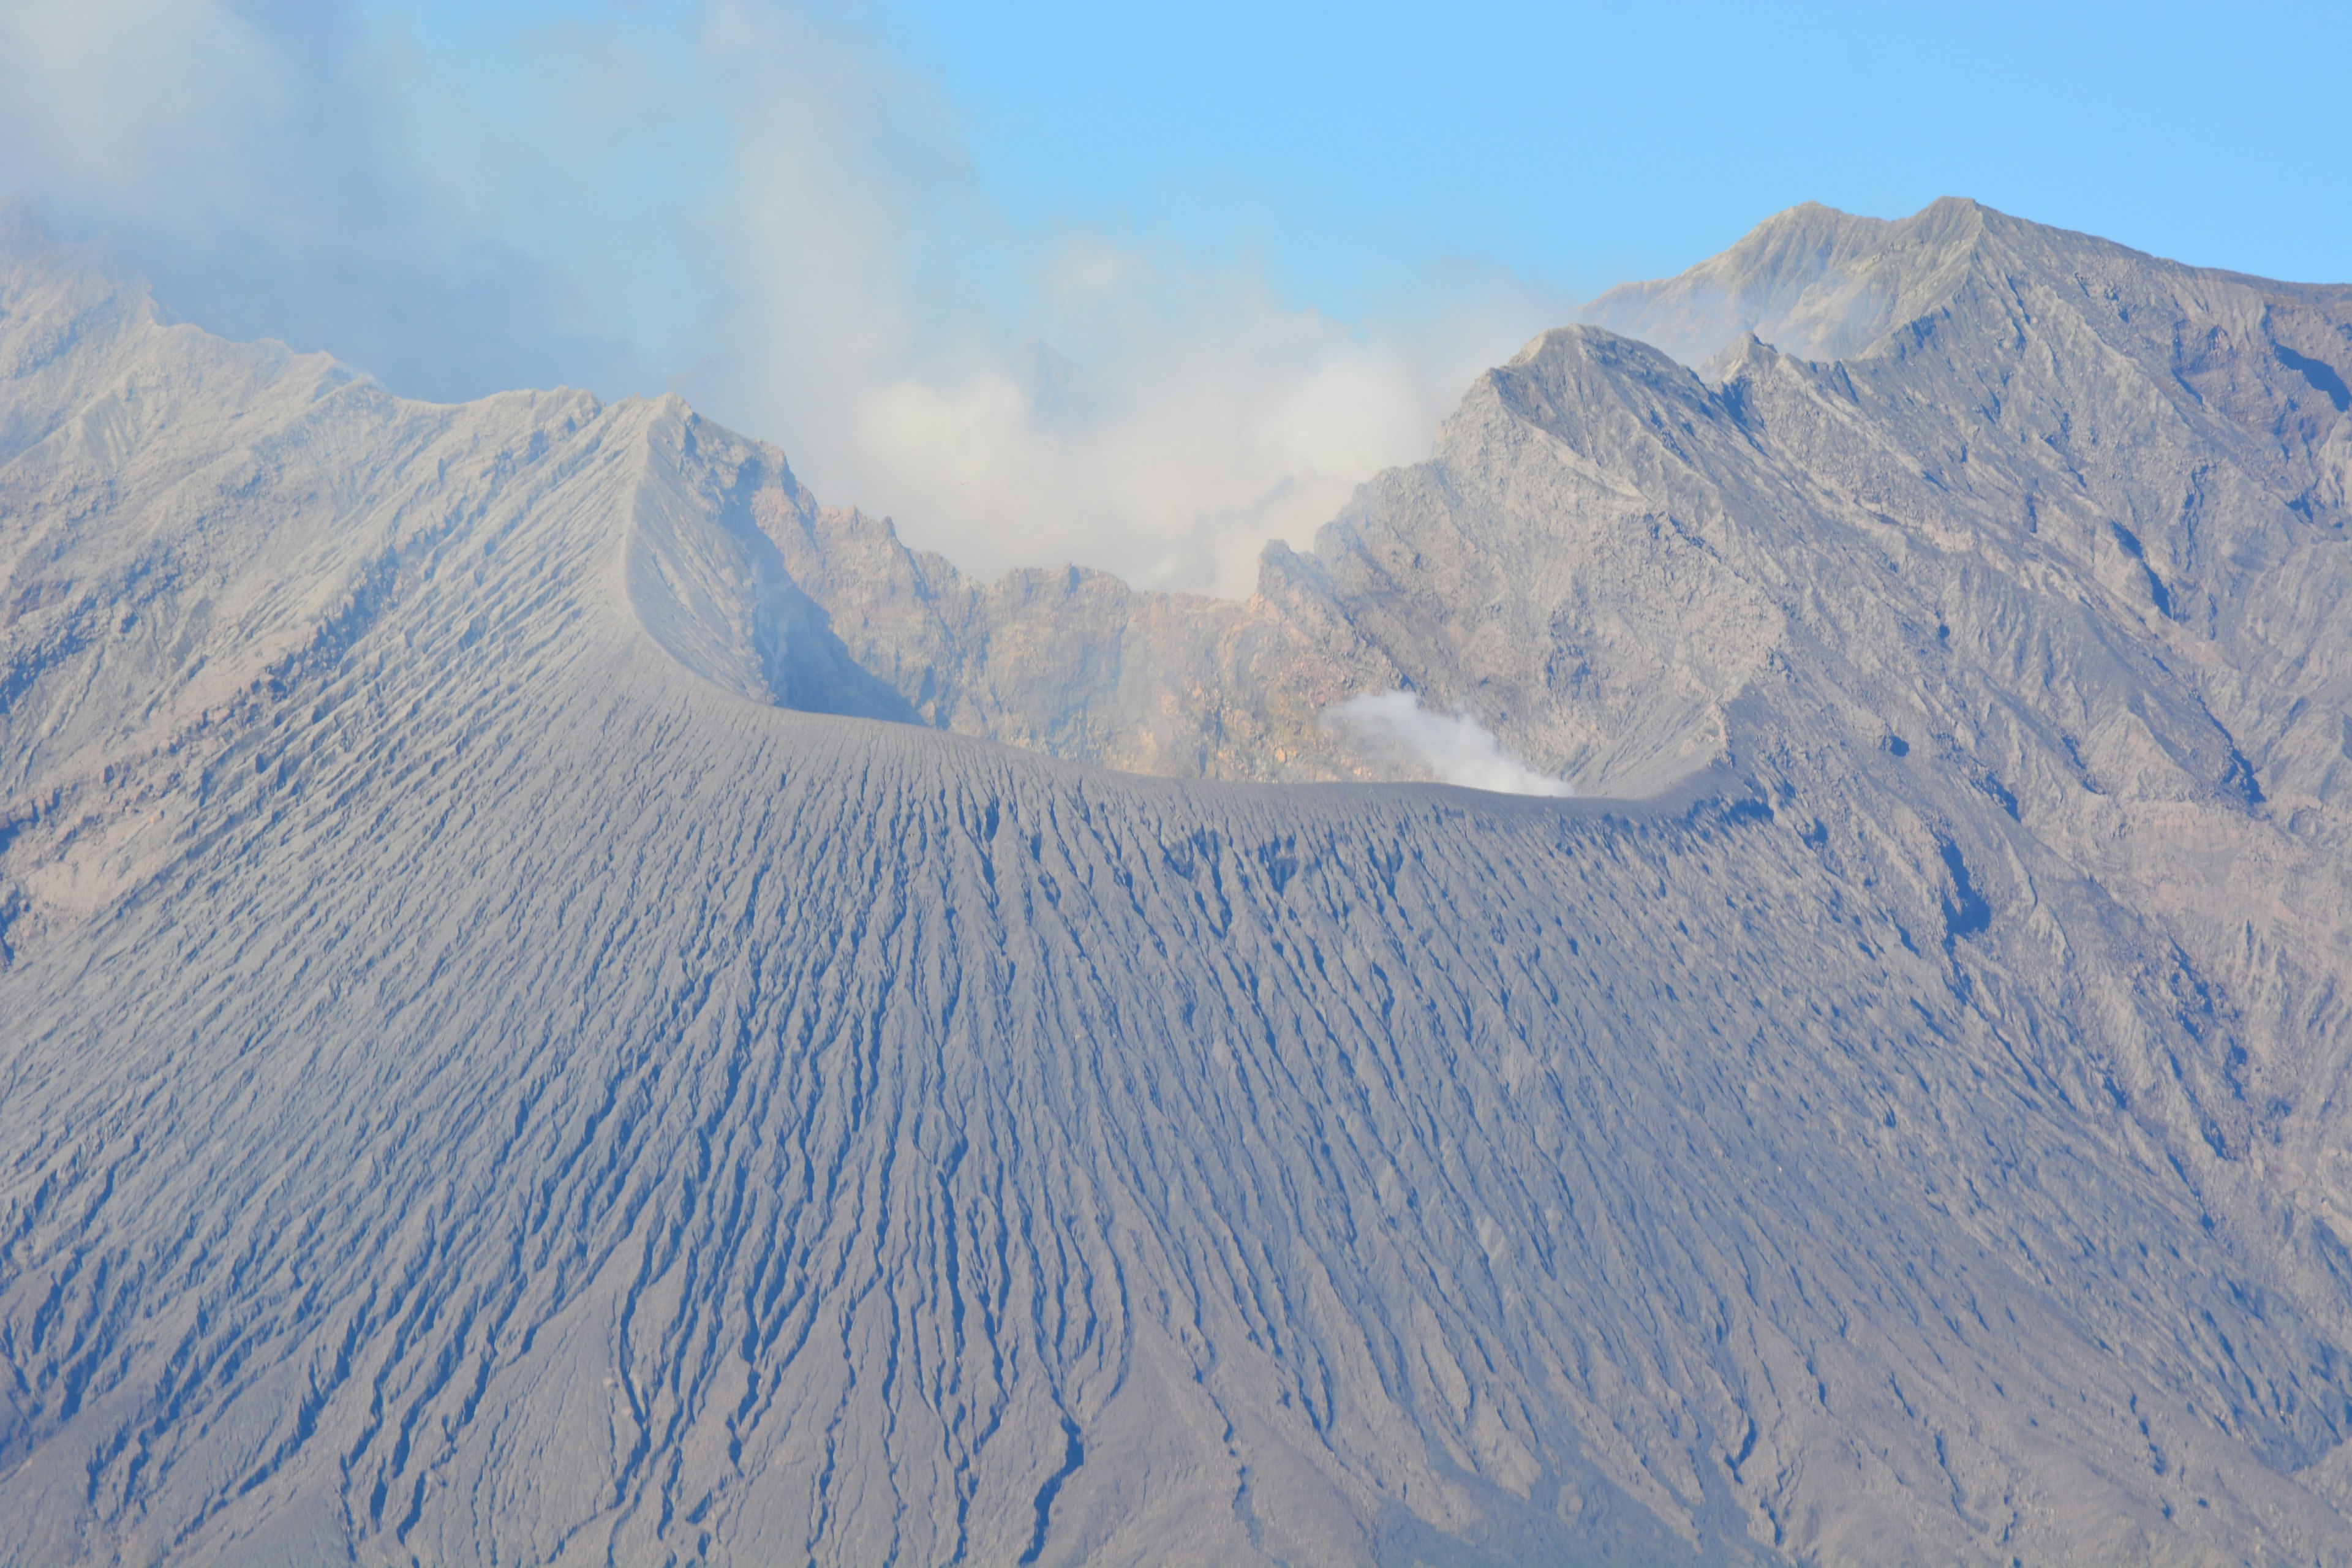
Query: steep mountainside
[541,1025]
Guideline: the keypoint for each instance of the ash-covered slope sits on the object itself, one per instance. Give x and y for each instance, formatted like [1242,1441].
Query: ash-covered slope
[488,1080]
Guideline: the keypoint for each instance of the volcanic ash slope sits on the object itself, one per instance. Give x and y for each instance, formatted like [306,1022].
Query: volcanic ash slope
[544,1024]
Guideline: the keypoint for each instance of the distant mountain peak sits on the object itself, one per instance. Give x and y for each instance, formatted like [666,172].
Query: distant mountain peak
[1812,280]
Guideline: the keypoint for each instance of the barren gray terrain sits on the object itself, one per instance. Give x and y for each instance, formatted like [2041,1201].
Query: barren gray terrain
[564,1003]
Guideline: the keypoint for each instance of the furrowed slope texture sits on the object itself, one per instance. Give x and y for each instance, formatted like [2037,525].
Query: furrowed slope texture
[764,1135]
[488,1080]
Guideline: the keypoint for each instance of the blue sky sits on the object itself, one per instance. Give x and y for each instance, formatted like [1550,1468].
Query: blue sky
[1591,143]
[1350,147]
[1137,286]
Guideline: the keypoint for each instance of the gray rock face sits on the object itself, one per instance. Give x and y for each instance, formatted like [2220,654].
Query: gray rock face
[540,1025]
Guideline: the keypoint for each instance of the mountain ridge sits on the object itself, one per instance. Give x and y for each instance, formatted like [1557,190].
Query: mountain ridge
[494,1075]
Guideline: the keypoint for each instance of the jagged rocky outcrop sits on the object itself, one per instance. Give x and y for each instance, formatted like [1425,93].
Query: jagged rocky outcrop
[542,1025]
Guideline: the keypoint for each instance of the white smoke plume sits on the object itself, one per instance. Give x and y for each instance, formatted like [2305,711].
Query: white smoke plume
[755,203]
[1455,747]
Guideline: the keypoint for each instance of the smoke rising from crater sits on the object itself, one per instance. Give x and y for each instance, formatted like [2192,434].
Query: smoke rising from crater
[1455,747]
[758,205]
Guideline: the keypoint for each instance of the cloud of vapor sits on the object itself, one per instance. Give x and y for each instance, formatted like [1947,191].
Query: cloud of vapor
[1455,747]
[1020,398]
[239,157]
[756,203]
[1202,419]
